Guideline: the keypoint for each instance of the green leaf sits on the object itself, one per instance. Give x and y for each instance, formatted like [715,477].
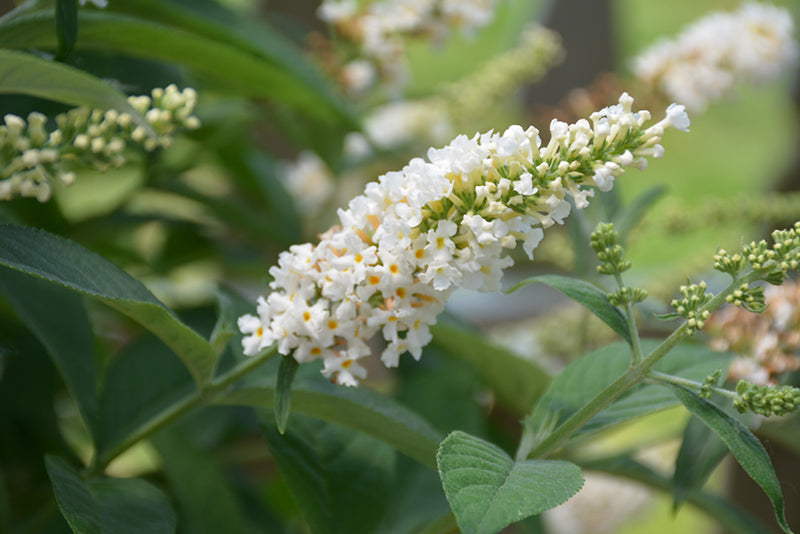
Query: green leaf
[283,391]
[58,319]
[143,380]
[516,381]
[340,479]
[589,295]
[488,490]
[66,27]
[700,453]
[732,517]
[202,491]
[22,73]
[64,262]
[107,505]
[225,327]
[266,72]
[360,409]
[587,376]
[746,448]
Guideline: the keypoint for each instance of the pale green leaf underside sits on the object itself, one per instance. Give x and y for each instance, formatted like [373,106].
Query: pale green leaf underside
[488,490]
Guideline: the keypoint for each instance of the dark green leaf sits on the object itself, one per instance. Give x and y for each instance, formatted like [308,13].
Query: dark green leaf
[700,453]
[340,479]
[746,448]
[22,73]
[283,391]
[66,263]
[107,505]
[144,379]
[202,491]
[729,515]
[517,382]
[488,490]
[419,489]
[586,377]
[66,27]
[267,73]
[589,295]
[360,409]
[58,319]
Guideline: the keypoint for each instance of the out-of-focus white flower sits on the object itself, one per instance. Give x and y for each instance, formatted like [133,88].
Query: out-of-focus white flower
[309,181]
[98,3]
[768,343]
[33,160]
[379,28]
[415,235]
[704,63]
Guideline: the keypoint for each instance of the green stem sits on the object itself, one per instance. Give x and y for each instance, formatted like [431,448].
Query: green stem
[182,407]
[635,374]
[636,344]
[691,384]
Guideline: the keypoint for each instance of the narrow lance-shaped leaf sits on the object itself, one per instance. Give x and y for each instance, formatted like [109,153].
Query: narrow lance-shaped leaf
[109,505]
[516,381]
[220,63]
[746,448]
[206,500]
[22,73]
[58,319]
[341,479]
[66,27]
[700,453]
[488,490]
[588,295]
[283,391]
[225,327]
[64,262]
[587,376]
[360,409]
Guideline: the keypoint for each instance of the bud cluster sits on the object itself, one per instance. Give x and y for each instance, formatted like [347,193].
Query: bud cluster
[417,234]
[33,159]
[766,400]
[709,383]
[605,242]
[690,307]
[751,298]
[625,295]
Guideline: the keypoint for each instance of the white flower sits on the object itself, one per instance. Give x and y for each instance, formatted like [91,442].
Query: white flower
[98,3]
[704,63]
[414,235]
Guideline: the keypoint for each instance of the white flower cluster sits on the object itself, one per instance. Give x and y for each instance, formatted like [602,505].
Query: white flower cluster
[703,64]
[97,3]
[379,29]
[32,159]
[417,234]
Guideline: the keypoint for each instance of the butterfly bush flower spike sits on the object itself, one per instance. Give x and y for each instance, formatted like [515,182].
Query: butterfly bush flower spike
[415,235]
[705,62]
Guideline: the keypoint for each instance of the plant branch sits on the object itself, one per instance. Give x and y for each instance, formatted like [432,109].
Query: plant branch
[181,408]
[635,374]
